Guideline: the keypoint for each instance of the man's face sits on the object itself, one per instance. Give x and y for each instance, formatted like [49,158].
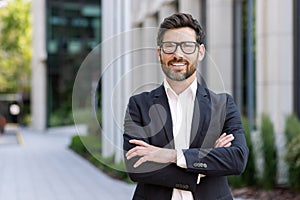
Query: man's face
[179,65]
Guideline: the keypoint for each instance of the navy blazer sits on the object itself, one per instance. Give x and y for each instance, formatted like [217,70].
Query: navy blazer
[148,118]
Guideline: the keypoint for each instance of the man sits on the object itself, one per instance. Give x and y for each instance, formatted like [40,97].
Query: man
[181,140]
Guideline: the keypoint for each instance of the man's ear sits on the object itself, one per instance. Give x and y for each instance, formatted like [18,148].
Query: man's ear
[159,54]
[201,52]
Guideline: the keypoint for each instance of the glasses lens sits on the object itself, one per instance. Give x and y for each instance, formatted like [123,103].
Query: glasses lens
[169,47]
[188,47]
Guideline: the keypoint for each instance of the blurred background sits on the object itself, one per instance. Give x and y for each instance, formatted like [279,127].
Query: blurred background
[253,53]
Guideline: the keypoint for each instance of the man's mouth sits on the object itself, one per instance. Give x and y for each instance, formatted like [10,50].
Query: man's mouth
[177,65]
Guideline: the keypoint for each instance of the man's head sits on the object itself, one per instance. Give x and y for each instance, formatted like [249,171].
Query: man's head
[180,46]
[179,20]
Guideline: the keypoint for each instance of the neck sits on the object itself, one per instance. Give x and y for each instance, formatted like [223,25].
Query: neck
[180,86]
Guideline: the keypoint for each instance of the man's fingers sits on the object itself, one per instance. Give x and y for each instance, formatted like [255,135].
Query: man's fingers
[140,161]
[228,144]
[224,140]
[221,138]
[141,149]
[136,151]
[229,138]
[139,142]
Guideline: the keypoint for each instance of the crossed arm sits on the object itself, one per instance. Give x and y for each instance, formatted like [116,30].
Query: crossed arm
[147,152]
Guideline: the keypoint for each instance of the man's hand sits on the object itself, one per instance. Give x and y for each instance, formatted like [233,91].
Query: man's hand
[224,140]
[150,153]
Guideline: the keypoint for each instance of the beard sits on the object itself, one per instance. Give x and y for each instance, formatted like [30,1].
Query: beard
[179,75]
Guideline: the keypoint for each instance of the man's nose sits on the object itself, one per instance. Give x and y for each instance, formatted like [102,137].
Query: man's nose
[179,52]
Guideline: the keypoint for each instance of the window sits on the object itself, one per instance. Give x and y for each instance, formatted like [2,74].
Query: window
[73,30]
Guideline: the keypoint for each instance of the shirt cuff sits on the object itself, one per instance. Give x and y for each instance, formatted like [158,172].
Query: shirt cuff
[199,178]
[181,162]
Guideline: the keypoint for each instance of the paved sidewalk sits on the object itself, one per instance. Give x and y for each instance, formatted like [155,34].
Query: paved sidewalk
[43,168]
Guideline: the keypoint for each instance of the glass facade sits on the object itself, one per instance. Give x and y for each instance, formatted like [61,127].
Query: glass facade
[73,30]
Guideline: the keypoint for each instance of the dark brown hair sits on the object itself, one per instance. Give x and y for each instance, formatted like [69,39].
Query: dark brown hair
[179,20]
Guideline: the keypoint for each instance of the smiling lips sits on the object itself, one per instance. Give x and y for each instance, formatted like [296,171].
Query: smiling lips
[177,65]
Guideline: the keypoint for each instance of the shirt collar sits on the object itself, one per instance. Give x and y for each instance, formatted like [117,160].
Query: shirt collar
[192,88]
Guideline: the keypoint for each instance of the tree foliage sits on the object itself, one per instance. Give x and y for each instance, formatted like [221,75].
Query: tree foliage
[15,46]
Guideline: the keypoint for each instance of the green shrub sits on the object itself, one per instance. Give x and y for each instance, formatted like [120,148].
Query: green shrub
[26,120]
[269,153]
[293,160]
[90,148]
[77,145]
[292,130]
[86,116]
[60,118]
[247,178]
[292,127]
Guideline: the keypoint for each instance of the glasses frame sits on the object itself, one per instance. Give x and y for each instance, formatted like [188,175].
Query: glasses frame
[178,44]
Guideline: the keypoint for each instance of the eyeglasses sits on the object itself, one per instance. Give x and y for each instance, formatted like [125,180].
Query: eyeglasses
[187,47]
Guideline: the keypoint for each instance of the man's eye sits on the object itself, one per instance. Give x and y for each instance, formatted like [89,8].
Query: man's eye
[188,45]
[169,45]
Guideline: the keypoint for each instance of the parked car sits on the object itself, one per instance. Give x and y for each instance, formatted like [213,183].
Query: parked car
[2,123]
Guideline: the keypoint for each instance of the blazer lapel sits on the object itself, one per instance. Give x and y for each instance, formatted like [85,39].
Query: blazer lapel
[201,117]
[163,109]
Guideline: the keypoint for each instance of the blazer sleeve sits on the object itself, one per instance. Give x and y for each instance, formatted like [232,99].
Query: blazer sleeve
[167,175]
[222,161]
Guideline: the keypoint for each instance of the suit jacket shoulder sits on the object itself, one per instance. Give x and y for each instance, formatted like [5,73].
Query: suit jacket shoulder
[149,94]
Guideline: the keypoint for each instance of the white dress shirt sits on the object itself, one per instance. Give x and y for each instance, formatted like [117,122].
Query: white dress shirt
[182,108]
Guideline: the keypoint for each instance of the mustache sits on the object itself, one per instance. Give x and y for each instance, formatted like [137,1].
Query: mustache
[178,60]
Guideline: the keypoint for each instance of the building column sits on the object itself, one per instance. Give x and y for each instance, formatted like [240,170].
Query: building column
[116,78]
[39,68]
[166,10]
[219,48]
[150,65]
[136,56]
[121,65]
[108,134]
[117,93]
[190,6]
[126,64]
[274,69]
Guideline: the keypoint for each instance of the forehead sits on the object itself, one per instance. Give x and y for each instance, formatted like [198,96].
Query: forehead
[180,34]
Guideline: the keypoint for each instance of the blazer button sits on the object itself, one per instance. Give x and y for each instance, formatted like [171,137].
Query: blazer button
[181,186]
[196,164]
[200,165]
